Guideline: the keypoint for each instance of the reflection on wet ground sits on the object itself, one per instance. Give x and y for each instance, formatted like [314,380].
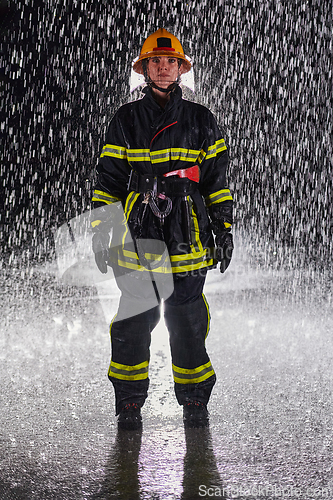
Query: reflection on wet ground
[200,470]
[122,481]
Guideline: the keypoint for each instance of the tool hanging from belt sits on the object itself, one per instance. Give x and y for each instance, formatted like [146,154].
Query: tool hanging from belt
[151,198]
[181,182]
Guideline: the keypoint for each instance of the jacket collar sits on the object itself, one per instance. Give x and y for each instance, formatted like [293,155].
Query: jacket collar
[175,97]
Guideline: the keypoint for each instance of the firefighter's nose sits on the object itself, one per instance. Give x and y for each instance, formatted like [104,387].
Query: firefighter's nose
[163,65]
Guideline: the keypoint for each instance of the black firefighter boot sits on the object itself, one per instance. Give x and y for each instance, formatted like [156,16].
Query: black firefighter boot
[195,414]
[130,417]
[194,376]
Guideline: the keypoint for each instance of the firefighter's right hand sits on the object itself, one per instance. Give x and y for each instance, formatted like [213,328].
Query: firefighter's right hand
[100,246]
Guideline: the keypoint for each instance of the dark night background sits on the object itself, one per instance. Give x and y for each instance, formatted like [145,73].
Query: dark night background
[263,68]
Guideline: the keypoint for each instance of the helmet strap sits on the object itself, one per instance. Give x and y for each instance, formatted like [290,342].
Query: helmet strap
[166,91]
[152,84]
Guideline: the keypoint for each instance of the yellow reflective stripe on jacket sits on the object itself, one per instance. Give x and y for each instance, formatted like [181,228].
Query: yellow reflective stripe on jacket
[114,151]
[192,375]
[193,266]
[105,197]
[218,197]
[195,232]
[131,199]
[182,154]
[160,156]
[95,223]
[179,263]
[138,154]
[176,266]
[136,266]
[216,148]
[127,372]
[201,156]
[130,260]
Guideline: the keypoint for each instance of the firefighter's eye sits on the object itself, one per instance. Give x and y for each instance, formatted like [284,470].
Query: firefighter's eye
[172,60]
[156,60]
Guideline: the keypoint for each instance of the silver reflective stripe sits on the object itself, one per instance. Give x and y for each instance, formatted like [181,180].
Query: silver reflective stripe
[218,147]
[115,151]
[218,197]
[138,154]
[113,369]
[100,197]
[189,376]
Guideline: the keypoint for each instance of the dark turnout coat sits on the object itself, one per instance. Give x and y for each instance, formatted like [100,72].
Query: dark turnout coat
[147,141]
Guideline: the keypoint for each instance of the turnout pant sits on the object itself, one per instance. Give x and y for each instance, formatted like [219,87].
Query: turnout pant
[187,319]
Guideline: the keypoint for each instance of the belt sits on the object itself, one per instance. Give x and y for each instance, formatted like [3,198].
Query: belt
[171,184]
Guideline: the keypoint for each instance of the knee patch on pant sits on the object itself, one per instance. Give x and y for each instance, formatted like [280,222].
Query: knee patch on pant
[130,343]
[192,319]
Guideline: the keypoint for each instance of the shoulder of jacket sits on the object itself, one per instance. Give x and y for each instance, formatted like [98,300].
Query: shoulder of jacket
[198,108]
[128,107]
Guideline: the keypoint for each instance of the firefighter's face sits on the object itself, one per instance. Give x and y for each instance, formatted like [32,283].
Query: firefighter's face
[163,70]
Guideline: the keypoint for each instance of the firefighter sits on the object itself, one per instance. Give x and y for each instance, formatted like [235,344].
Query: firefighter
[164,161]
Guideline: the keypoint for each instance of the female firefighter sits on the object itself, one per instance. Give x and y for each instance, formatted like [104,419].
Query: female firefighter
[164,162]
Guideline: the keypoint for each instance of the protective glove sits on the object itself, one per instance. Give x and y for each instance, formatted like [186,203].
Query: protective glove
[224,248]
[100,246]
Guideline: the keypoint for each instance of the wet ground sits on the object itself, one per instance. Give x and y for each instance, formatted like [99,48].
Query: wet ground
[271,421]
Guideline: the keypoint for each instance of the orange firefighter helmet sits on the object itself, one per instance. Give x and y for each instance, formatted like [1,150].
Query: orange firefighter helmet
[162,43]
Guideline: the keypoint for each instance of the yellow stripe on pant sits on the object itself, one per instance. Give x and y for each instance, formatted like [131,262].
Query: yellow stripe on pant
[192,375]
[208,314]
[128,372]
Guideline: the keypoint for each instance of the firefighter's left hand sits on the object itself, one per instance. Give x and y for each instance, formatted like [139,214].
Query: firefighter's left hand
[224,248]
[100,245]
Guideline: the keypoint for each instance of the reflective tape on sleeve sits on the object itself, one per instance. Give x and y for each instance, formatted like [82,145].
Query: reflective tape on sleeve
[114,151]
[216,148]
[105,197]
[218,197]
